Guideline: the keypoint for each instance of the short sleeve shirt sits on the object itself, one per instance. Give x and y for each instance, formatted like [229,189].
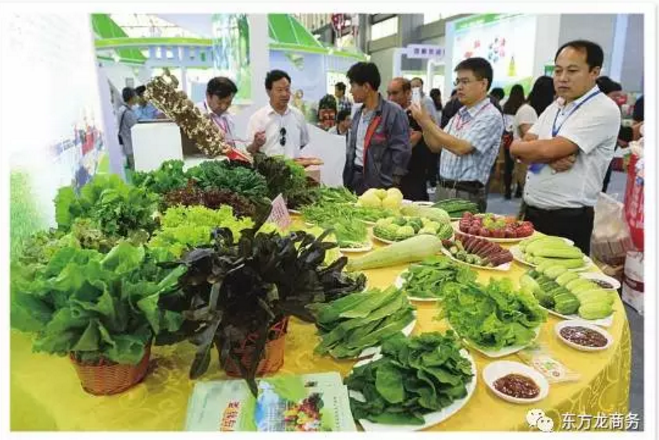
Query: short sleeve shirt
[593,127]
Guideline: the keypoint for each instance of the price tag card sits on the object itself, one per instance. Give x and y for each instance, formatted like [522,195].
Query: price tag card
[279,214]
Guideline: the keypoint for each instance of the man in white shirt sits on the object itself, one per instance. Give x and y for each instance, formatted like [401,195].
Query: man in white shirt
[220,92]
[283,127]
[570,147]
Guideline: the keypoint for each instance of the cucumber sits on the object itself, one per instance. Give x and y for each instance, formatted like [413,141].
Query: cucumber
[570,263]
[563,250]
[555,271]
[414,249]
[566,278]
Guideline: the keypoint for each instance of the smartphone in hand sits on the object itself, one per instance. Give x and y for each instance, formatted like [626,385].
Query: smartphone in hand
[416,95]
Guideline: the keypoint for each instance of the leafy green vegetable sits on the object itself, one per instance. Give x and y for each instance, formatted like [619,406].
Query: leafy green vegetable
[184,228]
[233,177]
[428,278]
[238,289]
[169,177]
[414,377]
[93,304]
[117,208]
[339,194]
[493,316]
[362,320]
[285,177]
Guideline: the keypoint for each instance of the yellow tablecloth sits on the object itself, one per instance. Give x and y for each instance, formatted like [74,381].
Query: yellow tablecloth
[46,393]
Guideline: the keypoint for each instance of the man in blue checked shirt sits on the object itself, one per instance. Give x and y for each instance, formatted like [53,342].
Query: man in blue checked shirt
[470,142]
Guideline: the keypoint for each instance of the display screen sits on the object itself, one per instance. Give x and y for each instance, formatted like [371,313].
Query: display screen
[507,41]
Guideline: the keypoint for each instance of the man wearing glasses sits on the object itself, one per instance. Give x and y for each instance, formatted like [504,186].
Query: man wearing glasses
[470,142]
[379,143]
[282,127]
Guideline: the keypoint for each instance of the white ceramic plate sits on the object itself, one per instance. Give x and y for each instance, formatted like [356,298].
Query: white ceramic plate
[604,322]
[399,284]
[581,323]
[365,248]
[501,267]
[518,255]
[499,369]
[456,228]
[504,351]
[594,276]
[430,419]
[382,240]
[423,203]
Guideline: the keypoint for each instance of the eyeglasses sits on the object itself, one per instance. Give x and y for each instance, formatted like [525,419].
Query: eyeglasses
[464,81]
[282,138]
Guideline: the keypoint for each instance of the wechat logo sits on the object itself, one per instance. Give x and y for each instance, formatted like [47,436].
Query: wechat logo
[536,419]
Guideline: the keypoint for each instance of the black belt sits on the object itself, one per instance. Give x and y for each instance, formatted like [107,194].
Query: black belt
[471,186]
[358,168]
[566,212]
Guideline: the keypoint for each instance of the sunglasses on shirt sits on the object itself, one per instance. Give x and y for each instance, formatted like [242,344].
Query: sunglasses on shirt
[282,138]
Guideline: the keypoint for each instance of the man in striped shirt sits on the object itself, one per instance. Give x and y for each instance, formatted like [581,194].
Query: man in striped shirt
[470,142]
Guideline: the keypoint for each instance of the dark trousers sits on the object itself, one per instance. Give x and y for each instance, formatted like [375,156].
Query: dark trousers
[607,177]
[573,223]
[356,184]
[472,191]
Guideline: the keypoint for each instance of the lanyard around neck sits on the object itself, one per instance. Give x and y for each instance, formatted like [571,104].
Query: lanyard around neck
[459,124]
[554,129]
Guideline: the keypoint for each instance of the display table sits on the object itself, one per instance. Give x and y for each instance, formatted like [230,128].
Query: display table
[46,393]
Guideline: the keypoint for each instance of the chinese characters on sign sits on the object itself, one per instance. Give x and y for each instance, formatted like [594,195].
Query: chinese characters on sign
[230,416]
[279,214]
[600,421]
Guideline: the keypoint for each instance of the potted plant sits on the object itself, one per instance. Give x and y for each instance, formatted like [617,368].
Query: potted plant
[238,296]
[99,309]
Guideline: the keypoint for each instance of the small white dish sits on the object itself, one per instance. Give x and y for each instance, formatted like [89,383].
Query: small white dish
[579,323]
[594,276]
[499,369]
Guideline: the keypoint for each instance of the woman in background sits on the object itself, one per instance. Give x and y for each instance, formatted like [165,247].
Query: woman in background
[519,117]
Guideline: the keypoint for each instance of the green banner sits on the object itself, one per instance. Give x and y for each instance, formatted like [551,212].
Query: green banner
[480,20]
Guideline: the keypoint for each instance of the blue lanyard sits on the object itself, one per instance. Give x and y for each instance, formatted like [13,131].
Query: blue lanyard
[537,167]
[554,129]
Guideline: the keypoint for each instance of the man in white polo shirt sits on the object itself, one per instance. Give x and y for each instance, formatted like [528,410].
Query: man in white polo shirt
[284,126]
[570,147]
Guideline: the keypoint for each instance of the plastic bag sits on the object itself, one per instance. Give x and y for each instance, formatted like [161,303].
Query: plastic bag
[632,284]
[634,197]
[611,239]
[540,358]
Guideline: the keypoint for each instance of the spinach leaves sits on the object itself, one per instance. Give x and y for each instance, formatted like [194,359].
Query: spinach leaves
[414,377]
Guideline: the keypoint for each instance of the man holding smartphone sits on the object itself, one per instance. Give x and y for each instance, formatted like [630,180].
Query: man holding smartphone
[413,185]
[470,143]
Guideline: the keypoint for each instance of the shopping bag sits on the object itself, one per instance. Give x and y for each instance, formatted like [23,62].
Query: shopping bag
[634,202]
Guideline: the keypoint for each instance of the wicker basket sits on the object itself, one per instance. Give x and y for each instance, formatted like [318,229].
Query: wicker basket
[273,358]
[107,377]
